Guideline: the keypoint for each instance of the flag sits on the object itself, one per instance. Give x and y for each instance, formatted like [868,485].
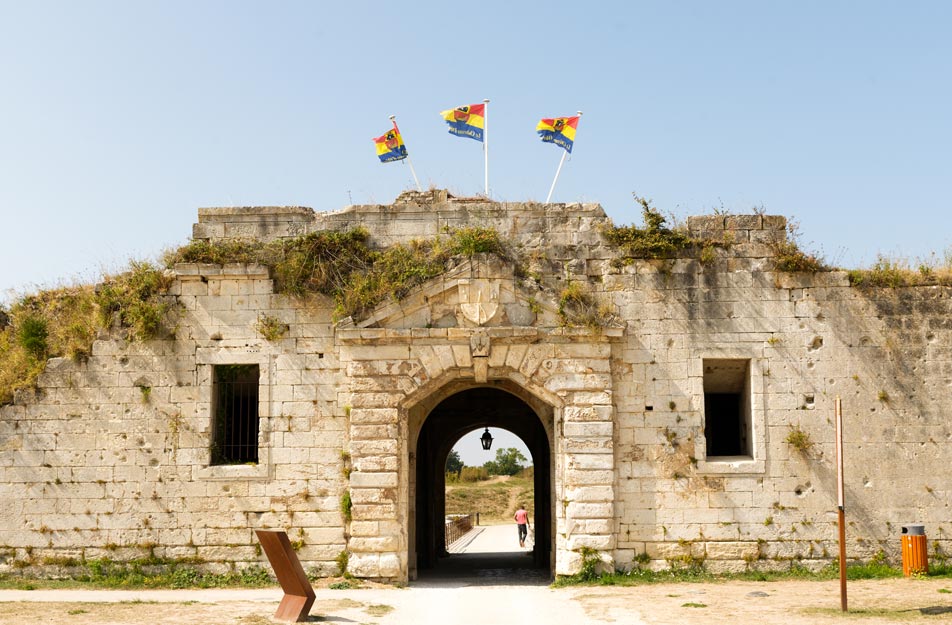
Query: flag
[466,121]
[560,131]
[390,146]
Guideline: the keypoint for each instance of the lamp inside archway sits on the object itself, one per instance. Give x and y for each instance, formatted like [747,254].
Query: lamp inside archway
[486,439]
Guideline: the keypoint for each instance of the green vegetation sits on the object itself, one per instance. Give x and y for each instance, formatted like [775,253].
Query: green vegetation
[876,568]
[578,308]
[895,273]
[378,609]
[658,241]
[591,562]
[473,240]
[509,461]
[342,559]
[788,256]
[146,572]
[346,584]
[454,464]
[798,439]
[133,300]
[470,474]
[655,240]
[64,322]
[32,336]
[346,505]
[271,328]
[343,266]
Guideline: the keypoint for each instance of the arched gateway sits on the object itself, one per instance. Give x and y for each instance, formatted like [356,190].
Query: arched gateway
[414,389]
[438,422]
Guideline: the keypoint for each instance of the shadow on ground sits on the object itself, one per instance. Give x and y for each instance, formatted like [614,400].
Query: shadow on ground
[484,569]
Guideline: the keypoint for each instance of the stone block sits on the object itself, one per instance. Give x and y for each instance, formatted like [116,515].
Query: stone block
[373,544]
[392,566]
[592,445]
[733,550]
[372,432]
[602,542]
[364,565]
[360,479]
[590,461]
[588,429]
[598,494]
[579,510]
[367,416]
[743,222]
[376,400]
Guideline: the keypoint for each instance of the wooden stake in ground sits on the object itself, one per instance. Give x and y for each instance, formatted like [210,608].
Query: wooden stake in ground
[840,503]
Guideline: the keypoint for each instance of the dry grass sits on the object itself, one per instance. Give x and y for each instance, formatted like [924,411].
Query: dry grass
[495,500]
[900,272]
[65,321]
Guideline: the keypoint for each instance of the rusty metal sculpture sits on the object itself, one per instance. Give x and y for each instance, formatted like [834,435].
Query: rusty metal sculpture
[298,594]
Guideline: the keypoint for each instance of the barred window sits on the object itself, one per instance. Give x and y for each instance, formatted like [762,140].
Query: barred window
[235,410]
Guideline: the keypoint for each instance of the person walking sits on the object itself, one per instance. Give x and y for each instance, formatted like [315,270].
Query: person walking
[522,524]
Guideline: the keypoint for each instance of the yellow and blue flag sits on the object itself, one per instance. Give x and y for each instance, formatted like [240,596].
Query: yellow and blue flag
[466,121]
[559,130]
[390,146]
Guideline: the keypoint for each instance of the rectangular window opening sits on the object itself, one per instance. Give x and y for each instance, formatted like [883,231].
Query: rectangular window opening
[235,410]
[727,411]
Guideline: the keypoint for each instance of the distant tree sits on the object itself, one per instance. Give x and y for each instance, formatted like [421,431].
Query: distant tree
[454,464]
[508,462]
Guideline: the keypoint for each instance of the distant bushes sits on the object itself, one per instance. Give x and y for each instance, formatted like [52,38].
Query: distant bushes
[467,474]
[473,474]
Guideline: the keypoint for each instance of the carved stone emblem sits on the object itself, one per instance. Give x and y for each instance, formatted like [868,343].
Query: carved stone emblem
[479,300]
[479,344]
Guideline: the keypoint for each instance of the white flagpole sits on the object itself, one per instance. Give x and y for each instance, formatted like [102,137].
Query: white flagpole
[559,170]
[393,118]
[486,143]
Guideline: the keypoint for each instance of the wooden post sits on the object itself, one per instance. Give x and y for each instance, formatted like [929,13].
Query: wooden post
[840,500]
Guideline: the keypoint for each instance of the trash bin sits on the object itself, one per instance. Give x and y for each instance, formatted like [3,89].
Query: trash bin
[915,551]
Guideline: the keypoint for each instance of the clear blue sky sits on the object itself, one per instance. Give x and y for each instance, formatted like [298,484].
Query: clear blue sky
[121,118]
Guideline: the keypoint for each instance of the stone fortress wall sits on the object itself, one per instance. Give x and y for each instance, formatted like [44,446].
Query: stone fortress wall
[110,457]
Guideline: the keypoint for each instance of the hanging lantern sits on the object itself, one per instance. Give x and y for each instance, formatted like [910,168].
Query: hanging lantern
[486,439]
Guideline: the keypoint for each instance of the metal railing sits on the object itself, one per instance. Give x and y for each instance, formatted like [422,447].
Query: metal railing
[457,525]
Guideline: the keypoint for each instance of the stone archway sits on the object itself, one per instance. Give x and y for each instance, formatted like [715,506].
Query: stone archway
[397,377]
[438,423]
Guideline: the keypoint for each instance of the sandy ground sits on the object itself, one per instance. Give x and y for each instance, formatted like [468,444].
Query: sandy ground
[762,603]
[505,591]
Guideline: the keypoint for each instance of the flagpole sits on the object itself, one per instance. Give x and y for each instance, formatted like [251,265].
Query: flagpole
[486,143]
[393,119]
[559,170]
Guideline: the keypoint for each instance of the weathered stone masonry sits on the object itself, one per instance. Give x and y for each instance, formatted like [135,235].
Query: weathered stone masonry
[92,465]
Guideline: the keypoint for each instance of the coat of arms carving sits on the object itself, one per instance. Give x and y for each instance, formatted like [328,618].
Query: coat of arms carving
[479,300]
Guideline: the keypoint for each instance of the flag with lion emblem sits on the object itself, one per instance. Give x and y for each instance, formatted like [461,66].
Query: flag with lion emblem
[466,121]
[559,130]
[390,146]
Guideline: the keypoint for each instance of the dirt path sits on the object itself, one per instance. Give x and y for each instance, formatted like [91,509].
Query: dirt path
[761,603]
[770,603]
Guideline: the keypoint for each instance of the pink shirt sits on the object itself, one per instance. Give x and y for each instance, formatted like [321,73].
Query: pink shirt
[522,517]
